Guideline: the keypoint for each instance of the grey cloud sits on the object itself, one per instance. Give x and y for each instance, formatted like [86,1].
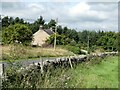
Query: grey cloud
[103,6]
[61,11]
[60,0]
[12,5]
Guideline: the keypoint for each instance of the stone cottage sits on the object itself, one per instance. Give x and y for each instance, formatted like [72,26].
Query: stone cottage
[41,36]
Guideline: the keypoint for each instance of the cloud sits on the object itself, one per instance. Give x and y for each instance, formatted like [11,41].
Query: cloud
[103,6]
[85,13]
[36,7]
[81,15]
[10,0]
[60,0]
[79,9]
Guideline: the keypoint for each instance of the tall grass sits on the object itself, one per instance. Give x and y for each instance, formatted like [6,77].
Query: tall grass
[33,78]
[97,73]
[25,52]
[73,49]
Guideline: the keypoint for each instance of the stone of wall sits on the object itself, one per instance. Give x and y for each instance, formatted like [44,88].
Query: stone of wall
[68,61]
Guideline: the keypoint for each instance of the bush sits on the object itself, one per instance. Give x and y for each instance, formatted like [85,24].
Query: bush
[17,33]
[73,43]
[74,49]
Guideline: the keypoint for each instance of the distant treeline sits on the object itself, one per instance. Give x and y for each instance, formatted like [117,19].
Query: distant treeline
[17,29]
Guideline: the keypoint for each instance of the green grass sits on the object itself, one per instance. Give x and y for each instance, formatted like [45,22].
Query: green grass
[74,49]
[101,75]
[97,73]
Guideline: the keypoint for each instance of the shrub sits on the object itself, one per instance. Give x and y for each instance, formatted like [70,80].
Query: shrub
[74,49]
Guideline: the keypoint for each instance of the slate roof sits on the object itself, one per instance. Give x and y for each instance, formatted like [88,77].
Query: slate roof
[48,31]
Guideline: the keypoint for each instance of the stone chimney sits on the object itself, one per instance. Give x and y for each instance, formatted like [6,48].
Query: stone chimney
[51,29]
[41,27]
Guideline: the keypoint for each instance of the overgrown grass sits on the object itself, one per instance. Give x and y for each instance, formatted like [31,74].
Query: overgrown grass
[74,49]
[77,49]
[15,52]
[97,73]
[102,74]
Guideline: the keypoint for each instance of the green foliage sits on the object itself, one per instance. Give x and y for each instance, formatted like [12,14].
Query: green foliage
[35,26]
[17,33]
[73,43]
[18,20]
[70,33]
[94,74]
[108,41]
[11,20]
[6,21]
[60,29]
[52,24]
[60,39]
[74,49]
[91,74]
[65,36]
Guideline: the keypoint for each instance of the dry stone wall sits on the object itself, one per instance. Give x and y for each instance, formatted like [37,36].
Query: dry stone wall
[68,61]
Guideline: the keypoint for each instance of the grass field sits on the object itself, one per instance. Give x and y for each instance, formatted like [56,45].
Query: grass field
[101,75]
[97,73]
[16,52]
[92,74]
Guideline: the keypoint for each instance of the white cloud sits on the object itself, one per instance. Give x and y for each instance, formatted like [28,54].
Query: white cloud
[79,9]
[10,0]
[83,11]
[75,15]
[60,1]
[36,7]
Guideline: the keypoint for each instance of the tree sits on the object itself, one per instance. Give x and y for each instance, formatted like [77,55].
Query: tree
[83,37]
[73,42]
[60,39]
[5,22]
[65,29]
[35,26]
[40,21]
[52,24]
[108,41]
[11,20]
[92,38]
[73,34]
[17,33]
[17,20]
[59,29]
[21,21]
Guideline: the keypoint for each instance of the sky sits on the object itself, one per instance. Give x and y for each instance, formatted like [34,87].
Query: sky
[79,14]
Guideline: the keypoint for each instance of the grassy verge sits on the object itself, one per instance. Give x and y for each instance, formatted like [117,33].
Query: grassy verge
[96,73]
[100,75]
[16,52]
[74,49]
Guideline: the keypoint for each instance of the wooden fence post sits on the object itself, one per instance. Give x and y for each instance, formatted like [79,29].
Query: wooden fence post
[41,65]
[2,69]
[70,63]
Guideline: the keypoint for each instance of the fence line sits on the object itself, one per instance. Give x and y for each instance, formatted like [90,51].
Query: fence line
[65,61]
[69,61]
